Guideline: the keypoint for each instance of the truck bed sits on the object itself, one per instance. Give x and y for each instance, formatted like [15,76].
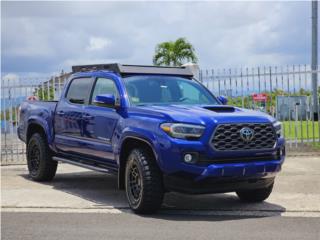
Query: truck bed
[42,111]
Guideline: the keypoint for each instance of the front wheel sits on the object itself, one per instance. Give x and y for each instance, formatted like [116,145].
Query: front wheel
[255,195]
[143,179]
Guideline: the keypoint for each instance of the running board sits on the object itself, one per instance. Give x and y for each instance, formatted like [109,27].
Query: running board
[79,164]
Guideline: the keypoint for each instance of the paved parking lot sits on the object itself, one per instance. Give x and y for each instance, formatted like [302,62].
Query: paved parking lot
[78,199]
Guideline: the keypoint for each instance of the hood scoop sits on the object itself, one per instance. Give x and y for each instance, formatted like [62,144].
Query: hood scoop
[220,109]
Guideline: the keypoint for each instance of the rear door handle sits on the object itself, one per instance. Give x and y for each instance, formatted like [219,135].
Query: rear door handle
[88,117]
[60,113]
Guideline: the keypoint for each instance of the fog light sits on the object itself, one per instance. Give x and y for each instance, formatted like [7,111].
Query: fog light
[188,158]
[191,157]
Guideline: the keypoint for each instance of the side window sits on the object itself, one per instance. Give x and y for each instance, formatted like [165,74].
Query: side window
[79,90]
[104,86]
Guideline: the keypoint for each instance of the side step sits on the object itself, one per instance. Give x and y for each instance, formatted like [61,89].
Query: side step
[79,164]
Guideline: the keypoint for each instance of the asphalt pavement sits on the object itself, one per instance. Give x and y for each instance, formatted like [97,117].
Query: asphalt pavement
[84,226]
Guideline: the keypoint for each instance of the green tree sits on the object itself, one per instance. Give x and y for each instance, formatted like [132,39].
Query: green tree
[45,95]
[174,53]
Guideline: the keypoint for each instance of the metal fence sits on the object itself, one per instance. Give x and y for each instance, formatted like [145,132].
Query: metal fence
[287,92]
[14,90]
[287,96]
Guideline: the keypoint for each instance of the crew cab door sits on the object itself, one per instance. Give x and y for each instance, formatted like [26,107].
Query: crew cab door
[68,120]
[99,122]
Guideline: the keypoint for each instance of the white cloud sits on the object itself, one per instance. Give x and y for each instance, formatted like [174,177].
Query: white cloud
[98,43]
[50,36]
[10,77]
[22,38]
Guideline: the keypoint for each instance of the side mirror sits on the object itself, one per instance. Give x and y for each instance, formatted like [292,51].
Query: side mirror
[223,100]
[105,100]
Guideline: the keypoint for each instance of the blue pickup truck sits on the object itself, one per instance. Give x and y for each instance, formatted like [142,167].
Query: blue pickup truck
[158,129]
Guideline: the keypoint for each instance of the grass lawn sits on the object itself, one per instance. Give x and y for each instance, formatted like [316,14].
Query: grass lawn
[300,130]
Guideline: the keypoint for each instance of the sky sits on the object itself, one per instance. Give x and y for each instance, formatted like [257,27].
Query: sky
[45,37]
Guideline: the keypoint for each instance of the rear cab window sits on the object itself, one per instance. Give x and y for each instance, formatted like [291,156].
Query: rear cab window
[79,90]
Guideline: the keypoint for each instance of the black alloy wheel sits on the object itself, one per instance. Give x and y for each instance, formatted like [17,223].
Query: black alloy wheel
[143,179]
[33,157]
[41,166]
[134,183]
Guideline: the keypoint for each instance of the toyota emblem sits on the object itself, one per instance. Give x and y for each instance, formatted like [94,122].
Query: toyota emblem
[246,134]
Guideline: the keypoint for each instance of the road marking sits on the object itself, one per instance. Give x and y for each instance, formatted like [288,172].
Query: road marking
[63,210]
[248,213]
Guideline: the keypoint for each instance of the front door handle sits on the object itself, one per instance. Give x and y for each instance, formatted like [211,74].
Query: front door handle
[60,113]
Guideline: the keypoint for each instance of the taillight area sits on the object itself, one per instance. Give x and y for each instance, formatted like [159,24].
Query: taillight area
[18,115]
[32,98]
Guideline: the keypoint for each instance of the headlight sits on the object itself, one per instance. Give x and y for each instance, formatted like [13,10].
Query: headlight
[184,131]
[277,127]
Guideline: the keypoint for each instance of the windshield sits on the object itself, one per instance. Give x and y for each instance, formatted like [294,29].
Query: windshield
[164,90]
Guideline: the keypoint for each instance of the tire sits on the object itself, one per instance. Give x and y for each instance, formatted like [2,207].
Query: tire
[143,181]
[39,158]
[256,195]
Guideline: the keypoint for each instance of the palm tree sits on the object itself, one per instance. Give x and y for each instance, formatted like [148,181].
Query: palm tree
[174,53]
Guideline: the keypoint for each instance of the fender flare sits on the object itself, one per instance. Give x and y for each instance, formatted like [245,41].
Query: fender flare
[43,124]
[138,136]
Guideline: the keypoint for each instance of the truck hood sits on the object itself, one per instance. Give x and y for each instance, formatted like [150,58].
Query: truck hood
[203,114]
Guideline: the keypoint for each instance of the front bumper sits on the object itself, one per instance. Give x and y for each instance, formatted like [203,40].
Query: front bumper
[227,177]
[217,178]
[242,170]
[223,173]
[184,184]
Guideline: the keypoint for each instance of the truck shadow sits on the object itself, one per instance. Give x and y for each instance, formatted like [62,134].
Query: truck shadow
[101,191]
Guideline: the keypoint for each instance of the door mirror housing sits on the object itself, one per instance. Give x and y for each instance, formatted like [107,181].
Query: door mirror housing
[105,100]
[223,100]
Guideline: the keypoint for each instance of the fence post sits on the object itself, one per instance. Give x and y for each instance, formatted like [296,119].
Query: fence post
[248,90]
[219,83]
[230,83]
[236,77]
[314,57]
[259,87]
[294,79]
[225,82]
[242,94]
[213,81]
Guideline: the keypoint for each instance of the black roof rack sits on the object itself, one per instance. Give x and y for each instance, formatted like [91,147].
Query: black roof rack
[124,70]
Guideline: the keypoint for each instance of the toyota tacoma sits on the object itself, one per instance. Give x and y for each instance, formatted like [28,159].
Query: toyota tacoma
[158,129]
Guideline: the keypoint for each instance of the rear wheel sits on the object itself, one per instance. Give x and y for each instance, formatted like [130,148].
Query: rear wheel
[255,195]
[40,164]
[143,179]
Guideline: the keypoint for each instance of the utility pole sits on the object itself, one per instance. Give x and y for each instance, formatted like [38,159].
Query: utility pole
[314,58]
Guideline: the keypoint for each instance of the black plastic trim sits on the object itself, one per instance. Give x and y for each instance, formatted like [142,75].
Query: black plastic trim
[124,69]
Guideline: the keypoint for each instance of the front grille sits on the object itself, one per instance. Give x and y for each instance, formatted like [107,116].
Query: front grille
[227,137]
